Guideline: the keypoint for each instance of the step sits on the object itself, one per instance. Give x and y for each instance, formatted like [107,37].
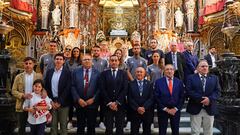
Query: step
[182,131]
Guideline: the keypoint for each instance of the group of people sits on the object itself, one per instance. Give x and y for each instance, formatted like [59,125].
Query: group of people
[118,86]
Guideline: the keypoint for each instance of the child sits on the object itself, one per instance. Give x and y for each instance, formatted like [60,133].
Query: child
[37,108]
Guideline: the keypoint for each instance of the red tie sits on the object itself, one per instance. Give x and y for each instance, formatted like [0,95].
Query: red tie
[86,82]
[170,85]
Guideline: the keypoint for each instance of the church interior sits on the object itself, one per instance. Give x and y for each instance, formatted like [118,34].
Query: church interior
[27,25]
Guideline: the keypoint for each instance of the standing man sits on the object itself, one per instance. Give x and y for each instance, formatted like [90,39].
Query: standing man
[85,94]
[176,59]
[141,101]
[211,57]
[191,61]
[113,86]
[99,64]
[47,59]
[153,49]
[58,86]
[22,89]
[203,90]
[169,94]
[135,61]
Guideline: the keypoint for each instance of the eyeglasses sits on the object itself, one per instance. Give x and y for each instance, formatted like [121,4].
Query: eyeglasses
[68,49]
[204,66]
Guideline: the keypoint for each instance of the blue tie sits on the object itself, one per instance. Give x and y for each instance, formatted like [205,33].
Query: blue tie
[203,79]
[140,86]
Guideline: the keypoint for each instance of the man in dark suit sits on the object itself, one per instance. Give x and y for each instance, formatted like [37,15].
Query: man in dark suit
[85,94]
[191,61]
[169,94]
[203,90]
[141,103]
[176,59]
[113,86]
[58,87]
[211,57]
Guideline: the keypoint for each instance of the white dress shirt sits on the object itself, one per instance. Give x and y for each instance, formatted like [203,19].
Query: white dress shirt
[28,82]
[55,81]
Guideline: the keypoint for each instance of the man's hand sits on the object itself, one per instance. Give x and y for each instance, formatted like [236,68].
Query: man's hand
[82,103]
[141,110]
[172,111]
[205,101]
[113,106]
[55,105]
[90,101]
[27,96]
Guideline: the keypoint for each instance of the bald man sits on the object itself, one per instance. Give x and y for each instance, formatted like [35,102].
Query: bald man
[141,102]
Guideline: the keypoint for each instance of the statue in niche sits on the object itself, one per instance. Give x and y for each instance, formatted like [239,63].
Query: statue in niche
[190,6]
[56,15]
[179,18]
[162,13]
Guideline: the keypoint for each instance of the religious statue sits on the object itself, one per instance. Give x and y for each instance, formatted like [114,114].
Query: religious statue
[162,13]
[136,36]
[56,15]
[45,12]
[100,36]
[179,18]
[190,6]
[73,9]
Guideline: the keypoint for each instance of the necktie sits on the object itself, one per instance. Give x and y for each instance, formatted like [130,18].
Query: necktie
[203,79]
[170,85]
[140,86]
[86,78]
[174,61]
[114,73]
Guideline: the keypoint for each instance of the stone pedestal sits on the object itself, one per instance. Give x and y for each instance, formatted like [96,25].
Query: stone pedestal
[228,120]
[7,104]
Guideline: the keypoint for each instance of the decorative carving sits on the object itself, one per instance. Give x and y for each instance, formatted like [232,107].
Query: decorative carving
[190,7]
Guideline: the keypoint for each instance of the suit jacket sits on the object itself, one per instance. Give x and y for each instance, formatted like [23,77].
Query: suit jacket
[209,60]
[163,96]
[195,92]
[64,86]
[18,89]
[191,64]
[136,100]
[113,90]
[180,63]
[78,86]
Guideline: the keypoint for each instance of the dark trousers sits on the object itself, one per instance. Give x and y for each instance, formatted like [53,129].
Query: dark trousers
[163,122]
[38,129]
[22,122]
[118,116]
[145,119]
[70,113]
[86,117]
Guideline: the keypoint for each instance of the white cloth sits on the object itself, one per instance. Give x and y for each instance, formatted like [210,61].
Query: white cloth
[55,81]
[28,83]
[40,116]
[213,61]
[201,119]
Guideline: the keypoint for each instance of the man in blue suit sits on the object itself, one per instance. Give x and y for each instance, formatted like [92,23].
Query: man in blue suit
[169,94]
[203,90]
[141,100]
[191,61]
[85,94]
[113,87]
[58,86]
